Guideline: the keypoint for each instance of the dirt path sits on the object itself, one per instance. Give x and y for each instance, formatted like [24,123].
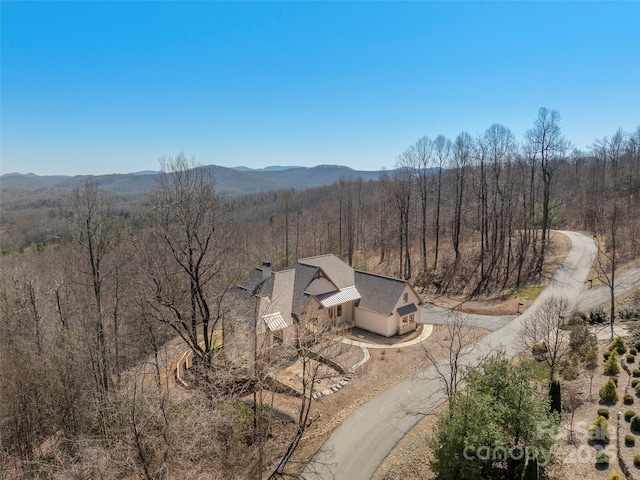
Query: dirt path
[146,373]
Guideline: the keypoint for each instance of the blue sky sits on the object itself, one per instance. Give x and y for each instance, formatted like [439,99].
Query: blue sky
[110,87]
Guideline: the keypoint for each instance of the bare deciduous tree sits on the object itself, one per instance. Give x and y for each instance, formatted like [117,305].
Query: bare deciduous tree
[415,161]
[316,345]
[459,335]
[401,192]
[591,364]
[543,326]
[442,148]
[572,401]
[548,145]
[460,162]
[607,258]
[97,234]
[189,255]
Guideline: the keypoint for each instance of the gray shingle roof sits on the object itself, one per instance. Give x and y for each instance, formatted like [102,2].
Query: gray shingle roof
[276,296]
[339,272]
[282,293]
[253,278]
[265,287]
[379,293]
[286,288]
[303,277]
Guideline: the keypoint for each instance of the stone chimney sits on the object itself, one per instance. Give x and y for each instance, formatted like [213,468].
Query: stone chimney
[266,270]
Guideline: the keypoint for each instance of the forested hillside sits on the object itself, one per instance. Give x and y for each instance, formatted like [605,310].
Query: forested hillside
[94,282]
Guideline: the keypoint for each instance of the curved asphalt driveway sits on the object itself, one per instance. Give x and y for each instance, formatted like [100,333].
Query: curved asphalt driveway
[358,446]
[625,282]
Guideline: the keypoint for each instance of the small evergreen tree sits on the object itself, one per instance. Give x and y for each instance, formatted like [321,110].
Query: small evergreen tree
[599,431]
[635,423]
[500,407]
[618,345]
[609,392]
[579,338]
[556,396]
[611,366]
[531,471]
[571,368]
[598,315]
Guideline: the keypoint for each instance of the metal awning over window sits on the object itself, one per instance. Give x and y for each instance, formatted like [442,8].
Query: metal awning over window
[275,321]
[407,309]
[331,299]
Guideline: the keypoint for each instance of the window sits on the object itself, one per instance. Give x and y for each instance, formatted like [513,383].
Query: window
[339,311]
[278,337]
[411,318]
[405,297]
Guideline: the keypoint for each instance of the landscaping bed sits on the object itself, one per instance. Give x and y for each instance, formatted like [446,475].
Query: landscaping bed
[574,456]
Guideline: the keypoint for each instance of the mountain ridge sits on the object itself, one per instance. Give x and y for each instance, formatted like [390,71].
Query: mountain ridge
[228,180]
[269,168]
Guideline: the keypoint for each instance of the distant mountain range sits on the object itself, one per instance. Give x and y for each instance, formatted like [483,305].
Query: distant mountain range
[228,180]
[271,168]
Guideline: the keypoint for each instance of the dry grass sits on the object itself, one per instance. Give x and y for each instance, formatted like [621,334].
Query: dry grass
[327,376]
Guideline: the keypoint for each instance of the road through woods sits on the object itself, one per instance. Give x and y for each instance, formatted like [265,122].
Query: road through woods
[358,446]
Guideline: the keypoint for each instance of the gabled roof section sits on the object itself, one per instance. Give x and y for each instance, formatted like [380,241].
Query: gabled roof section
[282,293]
[275,298]
[285,292]
[341,274]
[304,274]
[379,294]
[344,295]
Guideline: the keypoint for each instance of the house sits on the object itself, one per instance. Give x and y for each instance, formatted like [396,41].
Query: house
[354,298]
[322,293]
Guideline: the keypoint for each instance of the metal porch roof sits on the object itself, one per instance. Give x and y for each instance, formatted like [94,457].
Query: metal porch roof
[407,309]
[344,295]
[275,321]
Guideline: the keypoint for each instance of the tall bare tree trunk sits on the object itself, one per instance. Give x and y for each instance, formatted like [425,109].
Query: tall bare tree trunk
[546,140]
[442,147]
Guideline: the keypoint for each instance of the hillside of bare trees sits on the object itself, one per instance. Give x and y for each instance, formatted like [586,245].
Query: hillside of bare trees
[94,284]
